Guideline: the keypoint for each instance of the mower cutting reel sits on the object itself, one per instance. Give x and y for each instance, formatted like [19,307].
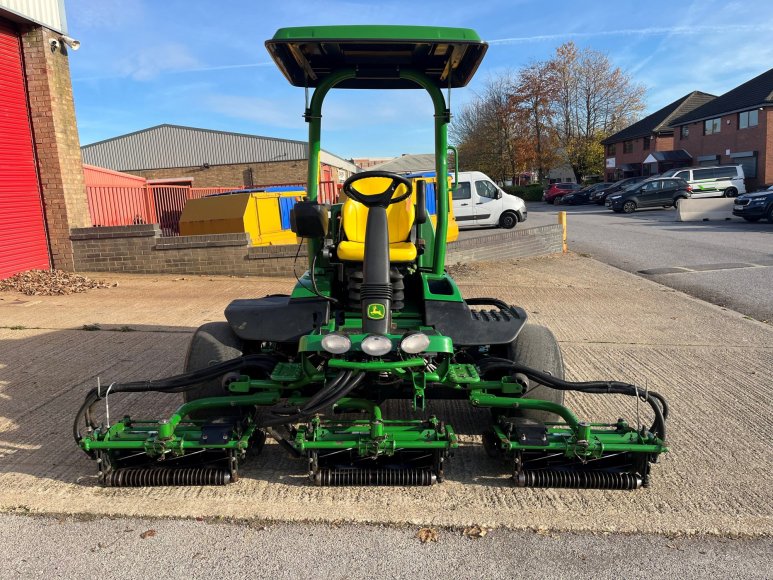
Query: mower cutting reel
[375,318]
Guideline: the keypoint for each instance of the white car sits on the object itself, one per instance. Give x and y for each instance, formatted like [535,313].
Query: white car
[478,201]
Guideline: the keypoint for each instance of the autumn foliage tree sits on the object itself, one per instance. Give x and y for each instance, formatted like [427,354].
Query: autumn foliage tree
[549,112]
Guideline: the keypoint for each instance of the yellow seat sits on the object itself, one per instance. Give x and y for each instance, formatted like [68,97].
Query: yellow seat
[400,217]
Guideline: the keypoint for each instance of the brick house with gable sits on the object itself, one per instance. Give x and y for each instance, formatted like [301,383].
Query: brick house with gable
[734,128]
[647,147]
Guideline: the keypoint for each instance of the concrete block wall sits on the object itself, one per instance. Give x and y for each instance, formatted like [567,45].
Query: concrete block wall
[517,243]
[141,249]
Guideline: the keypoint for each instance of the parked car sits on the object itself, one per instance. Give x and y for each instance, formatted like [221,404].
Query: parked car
[714,181]
[558,189]
[754,206]
[654,192]
[583,195]
[479,202]
[601,196]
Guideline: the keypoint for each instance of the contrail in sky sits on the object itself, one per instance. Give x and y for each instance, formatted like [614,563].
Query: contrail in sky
[653,31]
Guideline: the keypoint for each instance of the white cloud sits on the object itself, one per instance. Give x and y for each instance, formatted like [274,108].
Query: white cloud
[272,113]
[149,62]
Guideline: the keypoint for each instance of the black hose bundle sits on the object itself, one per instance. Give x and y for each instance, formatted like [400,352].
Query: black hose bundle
[343,384]
[174,384]
[655,400]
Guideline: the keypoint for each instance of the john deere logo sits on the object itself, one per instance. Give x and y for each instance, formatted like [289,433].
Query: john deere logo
[376,311]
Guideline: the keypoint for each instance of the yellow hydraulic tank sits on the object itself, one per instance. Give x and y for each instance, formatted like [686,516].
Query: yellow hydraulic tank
[262,214]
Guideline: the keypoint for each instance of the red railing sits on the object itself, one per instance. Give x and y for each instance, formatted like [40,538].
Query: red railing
[120,206]
[163,204]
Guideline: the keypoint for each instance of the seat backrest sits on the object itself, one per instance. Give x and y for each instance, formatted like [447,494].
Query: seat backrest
[400,216]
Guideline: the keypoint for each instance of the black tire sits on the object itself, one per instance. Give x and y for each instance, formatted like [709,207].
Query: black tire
[677,201]
[730,192]
[752,220]
[212,343]
[537,347]
[629,206]
[559,200]
[508,220]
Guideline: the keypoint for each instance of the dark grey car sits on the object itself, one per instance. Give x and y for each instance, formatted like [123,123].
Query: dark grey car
[657,192]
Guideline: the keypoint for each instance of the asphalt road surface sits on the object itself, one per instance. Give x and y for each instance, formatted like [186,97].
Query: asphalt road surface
[140,548]
[728,263]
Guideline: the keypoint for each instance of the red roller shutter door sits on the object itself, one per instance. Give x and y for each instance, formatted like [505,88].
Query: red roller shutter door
[23,240]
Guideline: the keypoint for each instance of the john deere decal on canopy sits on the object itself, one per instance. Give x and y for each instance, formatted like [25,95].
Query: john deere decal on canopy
[375,318]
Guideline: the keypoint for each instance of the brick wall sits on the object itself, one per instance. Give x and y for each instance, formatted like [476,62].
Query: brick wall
[730,137]
[52,112]
[140,249]
[234,175]
[658,142]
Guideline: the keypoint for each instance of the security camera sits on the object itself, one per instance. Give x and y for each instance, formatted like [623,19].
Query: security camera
[54,43]
[71,42]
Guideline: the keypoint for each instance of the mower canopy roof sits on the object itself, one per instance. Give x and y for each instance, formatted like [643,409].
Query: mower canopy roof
[447,56]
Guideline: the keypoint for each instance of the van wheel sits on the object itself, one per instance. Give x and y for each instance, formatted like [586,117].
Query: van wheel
[629,206]
[730,192]
[508,220]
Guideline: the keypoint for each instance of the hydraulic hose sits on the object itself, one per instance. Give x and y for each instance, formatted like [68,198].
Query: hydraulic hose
[174,384]
[330,395]
[655,400]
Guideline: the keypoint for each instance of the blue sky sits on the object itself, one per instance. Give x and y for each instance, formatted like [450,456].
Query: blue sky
[203,63]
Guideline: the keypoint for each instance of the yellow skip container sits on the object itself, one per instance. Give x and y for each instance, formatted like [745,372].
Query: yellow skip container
[265,215]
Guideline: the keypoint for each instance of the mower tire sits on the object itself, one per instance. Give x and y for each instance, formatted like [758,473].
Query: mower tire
[212,343]
[536,347]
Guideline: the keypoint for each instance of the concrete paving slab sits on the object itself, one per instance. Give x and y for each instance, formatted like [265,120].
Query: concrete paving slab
[714,365]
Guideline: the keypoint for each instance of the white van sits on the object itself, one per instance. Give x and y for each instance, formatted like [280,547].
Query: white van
[478,201]
[715,181]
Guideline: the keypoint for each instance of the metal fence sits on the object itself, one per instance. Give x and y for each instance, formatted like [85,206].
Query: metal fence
[124,205]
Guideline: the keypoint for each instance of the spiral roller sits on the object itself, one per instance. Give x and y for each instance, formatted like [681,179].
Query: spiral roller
[374,477]
[577,479]
[161,476]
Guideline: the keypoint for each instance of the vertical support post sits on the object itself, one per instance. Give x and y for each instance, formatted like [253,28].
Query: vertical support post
[562,222]
[442,118]
[313,116]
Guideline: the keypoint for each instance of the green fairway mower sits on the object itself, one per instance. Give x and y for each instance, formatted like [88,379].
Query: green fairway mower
[375,318]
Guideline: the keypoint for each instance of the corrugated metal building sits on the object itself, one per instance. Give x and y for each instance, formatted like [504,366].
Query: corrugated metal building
[210,158]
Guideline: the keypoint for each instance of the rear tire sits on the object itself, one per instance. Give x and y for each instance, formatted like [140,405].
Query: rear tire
[212,343]
[730,192]
[508,220]
[537,347]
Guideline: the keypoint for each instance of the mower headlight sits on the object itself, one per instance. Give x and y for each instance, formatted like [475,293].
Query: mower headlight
[414,343]
[336,343]
[376,345]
